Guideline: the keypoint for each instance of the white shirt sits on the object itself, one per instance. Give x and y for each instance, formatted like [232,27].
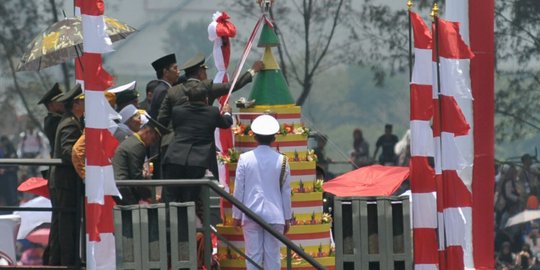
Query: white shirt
[257,185]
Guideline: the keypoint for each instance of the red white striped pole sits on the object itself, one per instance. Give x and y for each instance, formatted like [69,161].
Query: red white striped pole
[100,144]
[453,148]
[422,176]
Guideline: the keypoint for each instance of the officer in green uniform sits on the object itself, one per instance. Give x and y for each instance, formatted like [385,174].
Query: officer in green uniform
[129,158]
[65,185]
[55,110]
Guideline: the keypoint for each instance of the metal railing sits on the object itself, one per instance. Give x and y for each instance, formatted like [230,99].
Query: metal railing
[205,195]
[209,184]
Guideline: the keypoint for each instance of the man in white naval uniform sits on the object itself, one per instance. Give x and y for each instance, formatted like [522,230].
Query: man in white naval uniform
[260,185]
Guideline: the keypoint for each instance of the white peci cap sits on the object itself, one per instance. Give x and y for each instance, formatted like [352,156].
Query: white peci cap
[127,112]
[265,125]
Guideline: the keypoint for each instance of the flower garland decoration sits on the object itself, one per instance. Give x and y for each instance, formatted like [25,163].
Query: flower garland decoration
[286,129]
[232,156]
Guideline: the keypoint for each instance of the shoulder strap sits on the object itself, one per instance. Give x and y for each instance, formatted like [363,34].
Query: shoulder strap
[282,175]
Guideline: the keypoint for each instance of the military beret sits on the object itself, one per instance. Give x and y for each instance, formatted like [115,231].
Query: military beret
[52,95]
[164,62]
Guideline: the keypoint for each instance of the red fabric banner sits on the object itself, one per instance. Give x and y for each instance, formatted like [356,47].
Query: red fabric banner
[375,180]
[95,76]
[482,40]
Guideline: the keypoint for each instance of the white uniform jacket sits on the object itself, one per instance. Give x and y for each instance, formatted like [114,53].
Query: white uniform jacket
[257,185]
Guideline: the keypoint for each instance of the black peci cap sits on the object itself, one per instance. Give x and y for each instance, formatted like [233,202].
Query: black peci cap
[164,62]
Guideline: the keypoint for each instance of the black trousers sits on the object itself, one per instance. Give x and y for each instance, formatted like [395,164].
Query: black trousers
[181,193]
[65,226]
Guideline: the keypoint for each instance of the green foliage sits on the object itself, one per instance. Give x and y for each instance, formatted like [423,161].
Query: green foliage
[518,52]
[21,21]
[383,31]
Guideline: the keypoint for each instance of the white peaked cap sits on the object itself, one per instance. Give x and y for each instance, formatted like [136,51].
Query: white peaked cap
[127,112]
[265,125]
[127,86]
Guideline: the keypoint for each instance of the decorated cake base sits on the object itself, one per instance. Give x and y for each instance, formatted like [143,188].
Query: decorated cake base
[310,227]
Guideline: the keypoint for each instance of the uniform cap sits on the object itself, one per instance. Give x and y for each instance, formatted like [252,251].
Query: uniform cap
[125,93]
[197,61]
[265,125]
[75,93]
[124,87]
[159,128]
[52,95]
[164,62]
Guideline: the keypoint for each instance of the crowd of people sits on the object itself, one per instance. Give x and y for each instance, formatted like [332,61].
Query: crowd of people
[393,151]
[168,135]
[516,190]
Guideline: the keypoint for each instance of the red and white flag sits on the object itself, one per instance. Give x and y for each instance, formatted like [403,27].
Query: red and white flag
[467,203]
[422,176]
[220,32]
[463,140]
[453,146]
[100,143]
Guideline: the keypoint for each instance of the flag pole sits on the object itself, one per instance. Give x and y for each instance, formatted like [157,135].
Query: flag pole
[435,16]
[440,191]
[409,7]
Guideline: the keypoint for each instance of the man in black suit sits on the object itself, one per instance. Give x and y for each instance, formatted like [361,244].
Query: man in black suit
[167,73]
[192,149]
[197,78]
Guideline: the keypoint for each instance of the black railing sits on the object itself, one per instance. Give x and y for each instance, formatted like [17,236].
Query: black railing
[206,215]
[206,184]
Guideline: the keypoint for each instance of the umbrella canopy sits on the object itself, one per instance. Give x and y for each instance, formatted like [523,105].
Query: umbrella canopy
[39,236]
[523,217]
[35,185]
[375,180]
[63,41]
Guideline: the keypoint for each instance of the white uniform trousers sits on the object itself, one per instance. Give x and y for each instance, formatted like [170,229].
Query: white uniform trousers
[261,246]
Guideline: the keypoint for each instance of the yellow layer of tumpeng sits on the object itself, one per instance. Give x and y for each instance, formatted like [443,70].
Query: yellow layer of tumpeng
[295,229]
[308,249]
[279,138]
[294,165]
[278,109]
[301,218]
[328,262]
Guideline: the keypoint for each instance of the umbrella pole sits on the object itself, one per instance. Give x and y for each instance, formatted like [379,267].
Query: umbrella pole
[79,54]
